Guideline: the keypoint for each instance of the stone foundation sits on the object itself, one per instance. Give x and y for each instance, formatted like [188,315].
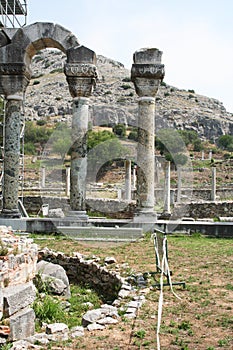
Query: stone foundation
[17,268]
[82,271]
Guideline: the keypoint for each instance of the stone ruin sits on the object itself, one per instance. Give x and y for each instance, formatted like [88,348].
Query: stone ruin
[17,47]
[18,260]
[21,268]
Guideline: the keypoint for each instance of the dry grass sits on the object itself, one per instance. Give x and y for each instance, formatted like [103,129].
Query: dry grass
[202,320]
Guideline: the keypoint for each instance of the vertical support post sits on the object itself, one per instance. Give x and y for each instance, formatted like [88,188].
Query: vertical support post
[210,154]
[43,177]
[67,181]
[78,169]
[179,184]
[81,75]
[202,155]
[213,187]
[147,72]
[11,156]
[128,183]
[167,189]
[134,177]
[14,79]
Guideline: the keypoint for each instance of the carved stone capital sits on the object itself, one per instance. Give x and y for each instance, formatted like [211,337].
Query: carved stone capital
[147,72]
[14,69]
[80,87]
[80,70]
[14,78]
[81,78]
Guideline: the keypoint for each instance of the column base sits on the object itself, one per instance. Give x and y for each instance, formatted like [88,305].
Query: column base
[77,214]
[165,215]
[10,214]
[145,216]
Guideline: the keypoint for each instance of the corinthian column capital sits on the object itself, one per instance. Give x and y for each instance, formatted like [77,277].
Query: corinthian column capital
[147,72]
[14,78]
[81,71]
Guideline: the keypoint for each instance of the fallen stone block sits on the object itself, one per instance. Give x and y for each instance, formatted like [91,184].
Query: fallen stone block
[54,270]
[95,327]
[56,328]
[18,297]
[76,332]
[22,324]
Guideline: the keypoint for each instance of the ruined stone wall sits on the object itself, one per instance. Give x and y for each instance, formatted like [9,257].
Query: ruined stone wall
[89,272]
[206,210]
[18,259]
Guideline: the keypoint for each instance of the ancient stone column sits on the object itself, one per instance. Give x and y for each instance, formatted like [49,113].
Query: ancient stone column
[213,187]
[134,177]
[43,177]
[14,78]
[167,190]
[67,181]
[179,185]
[81,74]
[147,73]
[128,184]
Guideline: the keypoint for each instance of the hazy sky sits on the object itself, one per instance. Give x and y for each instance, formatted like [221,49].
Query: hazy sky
[196,37]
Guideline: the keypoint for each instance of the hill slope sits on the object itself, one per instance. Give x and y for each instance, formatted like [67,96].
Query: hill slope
[115,101]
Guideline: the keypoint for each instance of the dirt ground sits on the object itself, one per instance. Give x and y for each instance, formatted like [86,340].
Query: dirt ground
[201,320]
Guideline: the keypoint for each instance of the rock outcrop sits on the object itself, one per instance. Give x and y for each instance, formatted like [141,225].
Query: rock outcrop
[114,99]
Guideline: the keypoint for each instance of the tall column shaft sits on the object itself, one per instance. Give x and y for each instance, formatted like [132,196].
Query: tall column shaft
[79,153]
[128,178]
[167,189]
[147,72]
[145,154]
[213,186]
[11,157]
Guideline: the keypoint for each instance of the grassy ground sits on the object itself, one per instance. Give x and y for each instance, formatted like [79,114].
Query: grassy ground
[201,320]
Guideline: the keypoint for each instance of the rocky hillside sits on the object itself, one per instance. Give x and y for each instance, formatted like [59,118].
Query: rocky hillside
[115,101]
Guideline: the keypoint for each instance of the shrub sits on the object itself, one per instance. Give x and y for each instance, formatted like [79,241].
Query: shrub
[41,122]
[126,79]
[133,135]
[126,86]
[29,148]
[226,142]
[119,130]
[36,82]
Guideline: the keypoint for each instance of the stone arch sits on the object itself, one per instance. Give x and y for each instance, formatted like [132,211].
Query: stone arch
[17,47]
[25,42]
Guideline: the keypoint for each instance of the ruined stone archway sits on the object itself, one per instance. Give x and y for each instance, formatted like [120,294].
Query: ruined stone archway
[17,47]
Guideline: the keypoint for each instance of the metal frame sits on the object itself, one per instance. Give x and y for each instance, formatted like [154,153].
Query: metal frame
[158,237]
[13,13]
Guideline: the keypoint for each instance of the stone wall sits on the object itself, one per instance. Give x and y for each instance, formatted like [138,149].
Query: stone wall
[206,210]
[17,268]
[79,270]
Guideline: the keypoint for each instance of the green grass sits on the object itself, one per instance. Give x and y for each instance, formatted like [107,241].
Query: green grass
[49,308]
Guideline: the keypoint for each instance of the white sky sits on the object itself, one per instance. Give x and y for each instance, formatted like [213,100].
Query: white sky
[196,37]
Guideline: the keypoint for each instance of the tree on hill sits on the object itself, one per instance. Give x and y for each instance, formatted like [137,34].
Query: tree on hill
[171,145]
[226,142]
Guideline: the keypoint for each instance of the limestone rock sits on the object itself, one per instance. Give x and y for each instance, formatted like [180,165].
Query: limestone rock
[110,260]
[22,324]
[114,99]
[94,316]
[56,328]
[18,297]
[56,271]
[95,327]
[76,332]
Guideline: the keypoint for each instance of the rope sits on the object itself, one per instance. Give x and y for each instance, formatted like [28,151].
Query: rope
[164,269]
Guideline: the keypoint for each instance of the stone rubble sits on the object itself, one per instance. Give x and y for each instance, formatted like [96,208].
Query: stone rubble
[16,300]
